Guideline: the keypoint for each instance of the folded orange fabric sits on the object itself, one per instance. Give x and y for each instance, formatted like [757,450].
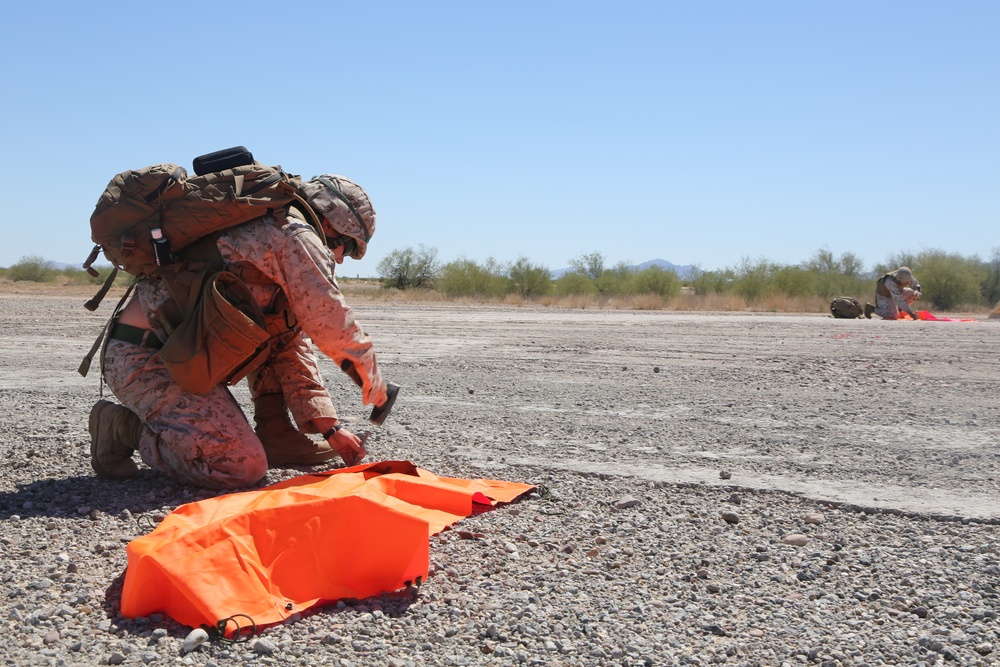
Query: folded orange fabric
[267,554]
[928,316]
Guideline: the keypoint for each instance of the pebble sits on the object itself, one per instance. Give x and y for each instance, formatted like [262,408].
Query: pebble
[264,646]
[194,639]
[626,502]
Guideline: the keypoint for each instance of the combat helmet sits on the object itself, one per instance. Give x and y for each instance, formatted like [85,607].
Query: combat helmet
[348,216]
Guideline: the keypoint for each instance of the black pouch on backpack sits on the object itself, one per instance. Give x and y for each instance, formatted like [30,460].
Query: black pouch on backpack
[227,158]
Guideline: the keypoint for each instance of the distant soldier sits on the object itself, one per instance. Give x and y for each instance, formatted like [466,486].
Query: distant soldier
[894,293]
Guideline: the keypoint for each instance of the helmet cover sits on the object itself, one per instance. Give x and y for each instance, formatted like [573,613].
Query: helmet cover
[344,207]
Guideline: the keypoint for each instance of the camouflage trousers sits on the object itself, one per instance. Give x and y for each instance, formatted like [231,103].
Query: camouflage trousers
[199,439]
[292,371]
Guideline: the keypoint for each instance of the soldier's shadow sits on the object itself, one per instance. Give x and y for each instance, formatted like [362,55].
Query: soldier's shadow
[81,496]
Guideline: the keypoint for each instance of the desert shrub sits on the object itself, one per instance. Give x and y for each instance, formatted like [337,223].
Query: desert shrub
[465,278]
[991,281]
[712,282]
[656,280]
[793,281]
[529,280]
[752,280]
[950,280]
[591,265]
[835,276]
[647,301]
[74,276]
[406,268]
[615,281]
[574,283]
[32,269]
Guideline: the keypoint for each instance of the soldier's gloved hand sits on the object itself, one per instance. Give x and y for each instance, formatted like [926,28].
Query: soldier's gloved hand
[350,447]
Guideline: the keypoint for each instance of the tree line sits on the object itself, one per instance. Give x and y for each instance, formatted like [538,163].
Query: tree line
[949,281]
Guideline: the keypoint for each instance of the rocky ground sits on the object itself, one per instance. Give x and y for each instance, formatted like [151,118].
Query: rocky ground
[732,489]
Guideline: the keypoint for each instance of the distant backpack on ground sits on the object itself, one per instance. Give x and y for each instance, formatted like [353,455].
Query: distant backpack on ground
[845,307]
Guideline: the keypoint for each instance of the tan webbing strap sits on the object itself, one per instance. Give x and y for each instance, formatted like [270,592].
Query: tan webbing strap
[87,360]
[101,293]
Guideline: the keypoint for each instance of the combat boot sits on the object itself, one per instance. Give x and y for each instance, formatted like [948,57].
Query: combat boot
[869,309]
[114,435]
[283,443]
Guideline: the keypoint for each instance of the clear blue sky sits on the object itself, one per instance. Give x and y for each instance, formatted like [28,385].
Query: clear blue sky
[696,132]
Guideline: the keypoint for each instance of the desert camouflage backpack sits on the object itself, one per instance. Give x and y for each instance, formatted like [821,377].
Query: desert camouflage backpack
[158,221]
[160,203]
[846,307]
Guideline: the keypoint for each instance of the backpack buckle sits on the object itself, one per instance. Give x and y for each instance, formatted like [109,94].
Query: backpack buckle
[128,242]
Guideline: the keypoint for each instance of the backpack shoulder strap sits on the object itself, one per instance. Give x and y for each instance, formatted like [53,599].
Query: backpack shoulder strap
[89,358]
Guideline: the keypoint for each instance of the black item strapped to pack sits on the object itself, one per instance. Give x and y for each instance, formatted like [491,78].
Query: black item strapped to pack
[227,158]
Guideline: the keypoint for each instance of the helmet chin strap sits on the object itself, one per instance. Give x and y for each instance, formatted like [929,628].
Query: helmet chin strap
[349,243]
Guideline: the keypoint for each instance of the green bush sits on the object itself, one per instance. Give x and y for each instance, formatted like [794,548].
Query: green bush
[832,276]
[529,280]
[795,281]
[991,283]
[950,280]
[466,278]
[76,276]
[712,282]
[613,282]
[574,283]
[590,265]
[656,280]
[752,280]
[32,269]
[408,268]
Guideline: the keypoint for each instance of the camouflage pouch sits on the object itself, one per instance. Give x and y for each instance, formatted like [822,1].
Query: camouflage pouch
[221,340]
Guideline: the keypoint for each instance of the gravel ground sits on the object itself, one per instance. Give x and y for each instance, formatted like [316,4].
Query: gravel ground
[729,489]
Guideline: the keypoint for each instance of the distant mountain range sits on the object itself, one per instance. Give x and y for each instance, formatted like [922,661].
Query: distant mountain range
[684,272]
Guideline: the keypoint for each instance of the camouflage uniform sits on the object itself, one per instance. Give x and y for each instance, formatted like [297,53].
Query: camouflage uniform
[894,292]
[205,439]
